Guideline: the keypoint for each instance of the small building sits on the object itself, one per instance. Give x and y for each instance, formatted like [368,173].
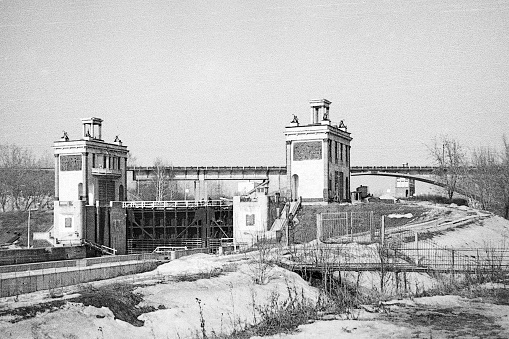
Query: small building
[318,157]
[405,187]
[360,193]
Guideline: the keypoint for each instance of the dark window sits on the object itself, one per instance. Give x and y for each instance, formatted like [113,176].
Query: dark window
[121,193]
[250,219]
[341,189]
[106,190]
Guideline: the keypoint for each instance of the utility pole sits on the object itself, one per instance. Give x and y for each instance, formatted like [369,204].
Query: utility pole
[28,233]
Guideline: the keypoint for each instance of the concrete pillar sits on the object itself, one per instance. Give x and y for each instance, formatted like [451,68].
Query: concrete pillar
[325,156]
[57,175]
[84,169]
[288,163]
[202,187]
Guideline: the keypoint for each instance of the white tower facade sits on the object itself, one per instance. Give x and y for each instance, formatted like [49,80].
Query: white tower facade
[318,157]
[88,172]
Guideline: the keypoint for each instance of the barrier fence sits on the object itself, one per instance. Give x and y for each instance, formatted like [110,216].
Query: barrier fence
[493,261]
[27,278]
[341,227]
[16,283]
[405,246]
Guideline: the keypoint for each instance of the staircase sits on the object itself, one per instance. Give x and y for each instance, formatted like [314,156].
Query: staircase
[290,208]
[101,248]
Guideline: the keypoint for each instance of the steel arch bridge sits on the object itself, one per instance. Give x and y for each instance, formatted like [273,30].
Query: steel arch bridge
[417,173]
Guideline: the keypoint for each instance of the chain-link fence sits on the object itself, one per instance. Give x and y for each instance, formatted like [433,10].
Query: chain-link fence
[401,246]
[345,227]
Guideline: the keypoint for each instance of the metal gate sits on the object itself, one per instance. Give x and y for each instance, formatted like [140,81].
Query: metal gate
[344,227]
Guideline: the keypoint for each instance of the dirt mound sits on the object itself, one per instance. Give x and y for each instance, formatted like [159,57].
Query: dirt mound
[119,298]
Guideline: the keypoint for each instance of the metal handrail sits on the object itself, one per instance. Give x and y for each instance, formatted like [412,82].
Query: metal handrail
[176,203]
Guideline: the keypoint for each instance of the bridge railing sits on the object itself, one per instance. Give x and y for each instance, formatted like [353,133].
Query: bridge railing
[176,203]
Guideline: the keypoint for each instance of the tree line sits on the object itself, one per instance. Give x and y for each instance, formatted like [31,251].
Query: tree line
[481,174]
[23,185]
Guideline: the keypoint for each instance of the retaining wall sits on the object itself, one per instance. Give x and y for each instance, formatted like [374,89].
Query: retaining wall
[27,278]
[31,255]
[49,279]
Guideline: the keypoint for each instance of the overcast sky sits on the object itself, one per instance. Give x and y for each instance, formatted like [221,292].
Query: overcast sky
[215,82]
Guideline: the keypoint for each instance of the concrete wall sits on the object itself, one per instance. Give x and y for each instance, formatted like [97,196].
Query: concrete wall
[68,185]
[310,183]
[118,228]
[22,256]
[70,276]
[73,211]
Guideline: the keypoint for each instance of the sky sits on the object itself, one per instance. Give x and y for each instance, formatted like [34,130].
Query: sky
[214,83]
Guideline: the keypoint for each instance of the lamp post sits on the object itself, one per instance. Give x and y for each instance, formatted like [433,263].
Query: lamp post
[28,233]
[28,225]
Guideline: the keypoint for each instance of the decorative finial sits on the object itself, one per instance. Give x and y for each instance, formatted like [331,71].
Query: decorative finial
[117,139]
[295,119]
[65,136]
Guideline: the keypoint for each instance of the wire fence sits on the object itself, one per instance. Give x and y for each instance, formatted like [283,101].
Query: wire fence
[400,247]
[492,261]
[343,227]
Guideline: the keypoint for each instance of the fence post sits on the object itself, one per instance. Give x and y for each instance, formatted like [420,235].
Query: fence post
[382,235]
[417,247]
[319,227]
[453,261]
[371,228]
[351,226]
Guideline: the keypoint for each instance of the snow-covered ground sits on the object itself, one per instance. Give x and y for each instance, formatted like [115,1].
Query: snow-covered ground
[221,293]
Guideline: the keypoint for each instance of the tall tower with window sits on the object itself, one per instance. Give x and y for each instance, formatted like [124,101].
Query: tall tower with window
[89,174]
[318,156]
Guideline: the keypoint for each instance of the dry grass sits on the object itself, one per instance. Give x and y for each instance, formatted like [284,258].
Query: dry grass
[119,298]
[16,221]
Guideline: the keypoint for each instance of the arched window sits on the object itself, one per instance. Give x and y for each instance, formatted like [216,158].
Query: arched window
[121,193]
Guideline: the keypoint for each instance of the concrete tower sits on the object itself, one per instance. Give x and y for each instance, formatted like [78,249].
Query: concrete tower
[89,174]
[318,157]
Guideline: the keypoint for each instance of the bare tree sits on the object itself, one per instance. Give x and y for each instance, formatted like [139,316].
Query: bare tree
[503,175]
[161,185]
[449,158]
[487,179]
[481,180]
[160,179]
[22,183]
